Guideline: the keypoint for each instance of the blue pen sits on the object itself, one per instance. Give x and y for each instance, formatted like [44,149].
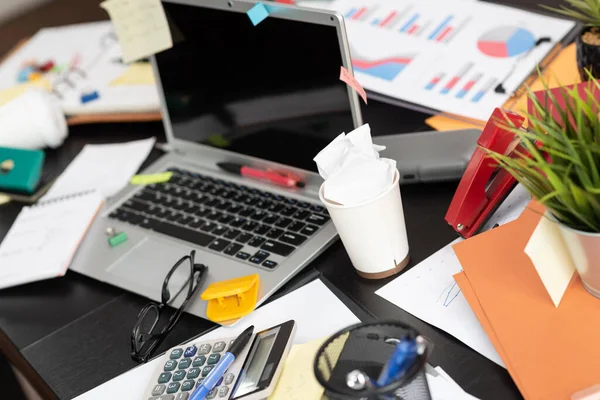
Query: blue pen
[401,360]
[219,370]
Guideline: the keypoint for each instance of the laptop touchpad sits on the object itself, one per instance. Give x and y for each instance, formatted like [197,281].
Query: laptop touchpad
[149,263]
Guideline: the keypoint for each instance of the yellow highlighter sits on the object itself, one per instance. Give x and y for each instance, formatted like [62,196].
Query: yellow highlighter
[231,299]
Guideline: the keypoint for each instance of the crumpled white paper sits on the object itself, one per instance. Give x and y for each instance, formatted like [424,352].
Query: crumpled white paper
[352,168]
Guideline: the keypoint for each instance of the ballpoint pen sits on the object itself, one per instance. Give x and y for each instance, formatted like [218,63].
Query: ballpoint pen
[278,178]
[401,360]
[219,370]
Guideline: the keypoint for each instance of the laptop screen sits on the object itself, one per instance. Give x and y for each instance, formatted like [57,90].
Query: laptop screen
[270,91]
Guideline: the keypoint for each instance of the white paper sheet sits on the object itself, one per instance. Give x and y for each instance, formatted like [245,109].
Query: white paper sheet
[104,167]
[316,310]
[442,387]
[411,50]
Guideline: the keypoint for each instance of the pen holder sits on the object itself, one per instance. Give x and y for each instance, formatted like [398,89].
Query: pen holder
[348,364]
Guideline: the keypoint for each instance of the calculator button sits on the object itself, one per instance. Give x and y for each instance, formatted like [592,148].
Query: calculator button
[219,347]
[213,359]
[193,373]
[176,353]
[173,387]
[223,391]
[166,397]
[187,385]
[204,349]
[190,351]
[219,381]
[178,376]
[185,363]
[229,377]
[206,370]
[158,390]
[199,361]
[164,377]
[170,365]
[182,396]
[212,394]
[199,382]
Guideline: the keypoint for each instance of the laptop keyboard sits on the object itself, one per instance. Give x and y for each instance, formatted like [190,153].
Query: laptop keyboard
[224,217]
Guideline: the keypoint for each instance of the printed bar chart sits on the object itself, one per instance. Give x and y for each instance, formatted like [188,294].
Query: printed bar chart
[486,88]
[461,73]
[408,24]
[434,81]
[469,85]
[441,28]
[360,14]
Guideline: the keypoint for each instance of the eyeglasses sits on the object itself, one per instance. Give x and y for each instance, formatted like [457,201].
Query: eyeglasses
[147,333]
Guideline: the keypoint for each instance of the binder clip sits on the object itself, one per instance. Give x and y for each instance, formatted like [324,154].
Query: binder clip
[232,299]
[484,186]
[115,238]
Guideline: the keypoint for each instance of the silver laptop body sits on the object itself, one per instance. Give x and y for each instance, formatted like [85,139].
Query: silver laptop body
[141,264]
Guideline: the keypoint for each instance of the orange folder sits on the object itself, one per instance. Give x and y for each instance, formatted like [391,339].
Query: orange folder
[550,352]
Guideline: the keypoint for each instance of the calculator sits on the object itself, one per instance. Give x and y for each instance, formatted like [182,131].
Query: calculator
[252,376]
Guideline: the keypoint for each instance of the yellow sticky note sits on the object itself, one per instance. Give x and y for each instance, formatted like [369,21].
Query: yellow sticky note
[149,179]
[141,26]
[13,92]
[297,380]
[136,74]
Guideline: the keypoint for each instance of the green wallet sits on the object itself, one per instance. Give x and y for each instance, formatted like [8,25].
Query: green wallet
[20,169]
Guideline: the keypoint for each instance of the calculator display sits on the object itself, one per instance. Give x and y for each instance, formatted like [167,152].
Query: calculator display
[256,369]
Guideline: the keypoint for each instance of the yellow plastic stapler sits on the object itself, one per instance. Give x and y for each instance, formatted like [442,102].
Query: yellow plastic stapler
[232,299]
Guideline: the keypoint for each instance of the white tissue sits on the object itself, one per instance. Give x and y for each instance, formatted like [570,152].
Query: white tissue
[352,168]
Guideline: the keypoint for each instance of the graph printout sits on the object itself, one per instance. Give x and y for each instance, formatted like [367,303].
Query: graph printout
[448,55]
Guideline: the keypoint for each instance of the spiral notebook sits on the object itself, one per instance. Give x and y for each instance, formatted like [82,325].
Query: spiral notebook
[44,238]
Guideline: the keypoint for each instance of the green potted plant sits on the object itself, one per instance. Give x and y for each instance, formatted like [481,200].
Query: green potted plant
[588,41]
[562,170]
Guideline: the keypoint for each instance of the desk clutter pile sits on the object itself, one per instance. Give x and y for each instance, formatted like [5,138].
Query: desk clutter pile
[514,287]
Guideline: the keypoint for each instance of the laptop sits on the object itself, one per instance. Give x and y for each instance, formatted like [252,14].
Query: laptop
[267,96]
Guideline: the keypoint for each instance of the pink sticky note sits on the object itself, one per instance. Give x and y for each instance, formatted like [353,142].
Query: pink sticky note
[346,76]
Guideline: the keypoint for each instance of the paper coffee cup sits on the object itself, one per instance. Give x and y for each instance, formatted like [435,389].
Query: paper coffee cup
[33,120]
[373,232]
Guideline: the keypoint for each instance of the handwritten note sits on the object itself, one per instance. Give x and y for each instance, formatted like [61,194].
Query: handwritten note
[148,179]
[258,13]
[346,76]
[297,381]
[141,26]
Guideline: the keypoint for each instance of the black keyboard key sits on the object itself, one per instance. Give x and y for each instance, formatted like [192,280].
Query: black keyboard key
[189,235]
[214,215]
[160,212]
[277,197]
[202,212]
[208,226]
[283,222]
[261,230]
[200,198]
[259,257]
[249,226]
[149,223]
[277,248]
[237,222]
[292,238]
[137,205]
[256,241]
[288,211]
[303,204]
[212,202]
[250,201]
[195,223]
[146,195]
[228,194]
[257,215]
[301,214]
[269,264]
[190,207]
[274,233]
[188,194]
[219,244]
[291,201]
[317,219]
[241,198]
[275,207]
[318,208]
[222,205]
[270,219]
[246,212]
[226,218]
[231,234]
[219,230]
[296,226]
[232,249]
[132,218]
[243,237]
[235,208]
[242,256]
[184,219]
[263,205]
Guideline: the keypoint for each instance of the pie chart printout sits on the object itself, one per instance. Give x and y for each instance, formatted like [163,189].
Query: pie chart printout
[506,41]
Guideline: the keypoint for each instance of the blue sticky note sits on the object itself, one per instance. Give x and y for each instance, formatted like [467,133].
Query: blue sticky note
[258,13]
